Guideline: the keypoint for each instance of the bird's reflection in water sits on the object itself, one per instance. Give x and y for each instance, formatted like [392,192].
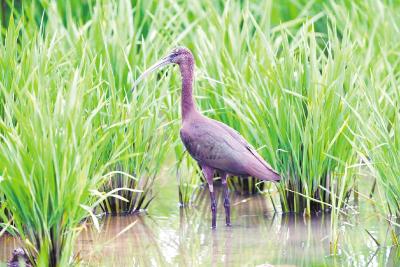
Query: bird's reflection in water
[258,235]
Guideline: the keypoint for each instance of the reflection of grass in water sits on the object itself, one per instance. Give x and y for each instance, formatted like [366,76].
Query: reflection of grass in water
[8,244]
[125,239]
[258,236]
[239,245]
[357,247]
[287,238]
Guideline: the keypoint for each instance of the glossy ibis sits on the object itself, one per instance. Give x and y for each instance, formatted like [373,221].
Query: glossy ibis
[214,145]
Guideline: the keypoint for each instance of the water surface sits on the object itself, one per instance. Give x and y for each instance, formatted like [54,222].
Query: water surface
[172,236]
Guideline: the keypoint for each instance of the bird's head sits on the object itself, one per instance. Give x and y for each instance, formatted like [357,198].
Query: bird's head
[179,56]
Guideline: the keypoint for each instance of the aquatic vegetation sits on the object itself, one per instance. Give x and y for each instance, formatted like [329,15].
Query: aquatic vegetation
[48,161]
[68,128]
[187,174]
[374,27]
[4,213]
[138,119]
[380,139]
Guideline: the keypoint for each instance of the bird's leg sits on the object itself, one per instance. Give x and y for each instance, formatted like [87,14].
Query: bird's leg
[209,175]
[213,207]
[226,199]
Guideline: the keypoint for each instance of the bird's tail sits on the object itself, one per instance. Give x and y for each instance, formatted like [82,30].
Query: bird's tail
[271,175]
[263,172]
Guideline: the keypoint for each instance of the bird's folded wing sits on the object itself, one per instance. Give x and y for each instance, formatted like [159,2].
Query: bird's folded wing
[209,146]
[216,147]
[235,134]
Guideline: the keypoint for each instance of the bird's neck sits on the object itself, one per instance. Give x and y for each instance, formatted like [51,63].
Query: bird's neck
[187,72]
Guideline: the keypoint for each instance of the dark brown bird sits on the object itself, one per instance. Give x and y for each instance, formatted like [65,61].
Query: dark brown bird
[214,145]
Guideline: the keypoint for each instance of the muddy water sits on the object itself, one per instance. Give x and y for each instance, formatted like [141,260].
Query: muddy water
[173,236]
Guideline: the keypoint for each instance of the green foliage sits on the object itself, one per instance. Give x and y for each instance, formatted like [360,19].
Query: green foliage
[49,158]
[380,137]
[374,27]
[72,135]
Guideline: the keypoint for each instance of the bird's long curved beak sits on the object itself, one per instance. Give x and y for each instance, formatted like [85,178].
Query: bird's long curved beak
[161,63]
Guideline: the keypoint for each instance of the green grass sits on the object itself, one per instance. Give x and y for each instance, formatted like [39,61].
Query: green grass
[48,160]
[379,138]
[4,213]
[71,130]
[50,144]
[374,27]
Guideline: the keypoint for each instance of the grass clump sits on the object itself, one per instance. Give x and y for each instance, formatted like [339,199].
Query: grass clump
[309,123]
[379,138]
[374,27]
[4,213]
[138,119]
[48,163]
[187,172]
[381,144]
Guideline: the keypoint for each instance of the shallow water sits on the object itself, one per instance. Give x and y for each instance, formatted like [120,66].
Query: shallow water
[184,238]
[173,236]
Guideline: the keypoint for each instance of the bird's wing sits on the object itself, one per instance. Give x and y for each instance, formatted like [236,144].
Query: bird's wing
[214,146]
[209,146]
[235,134]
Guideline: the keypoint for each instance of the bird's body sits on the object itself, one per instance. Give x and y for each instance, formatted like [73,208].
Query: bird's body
[214,145]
